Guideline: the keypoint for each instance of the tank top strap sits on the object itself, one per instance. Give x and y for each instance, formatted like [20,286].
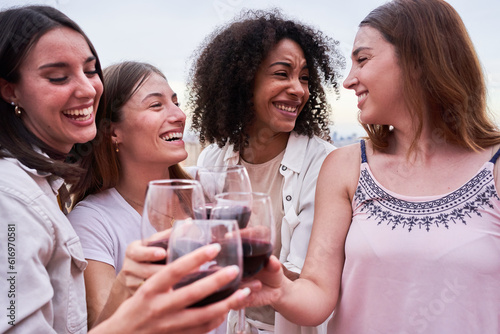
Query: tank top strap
[495,157]
[363,151]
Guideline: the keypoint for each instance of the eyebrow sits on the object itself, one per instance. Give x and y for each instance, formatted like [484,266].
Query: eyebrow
[284,64]
[358,50]
[63,64]
[151,95]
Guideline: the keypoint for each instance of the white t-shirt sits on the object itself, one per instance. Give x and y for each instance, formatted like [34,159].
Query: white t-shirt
[106,225]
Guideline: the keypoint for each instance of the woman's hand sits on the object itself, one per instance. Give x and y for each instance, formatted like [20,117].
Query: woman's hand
[157,307]
[268,284]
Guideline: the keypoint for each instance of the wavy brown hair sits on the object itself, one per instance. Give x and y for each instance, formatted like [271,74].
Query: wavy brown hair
[21,28]
[222,76]
[121,81]
[430,37]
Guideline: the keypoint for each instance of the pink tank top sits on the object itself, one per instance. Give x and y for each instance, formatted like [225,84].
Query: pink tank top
[426,264]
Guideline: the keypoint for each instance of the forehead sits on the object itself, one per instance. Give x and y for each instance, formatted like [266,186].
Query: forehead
[367,35]
[154,83]
[286,49]
[58,45]
[368,38]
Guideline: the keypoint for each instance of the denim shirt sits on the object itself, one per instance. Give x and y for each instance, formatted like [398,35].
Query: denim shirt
[42,288]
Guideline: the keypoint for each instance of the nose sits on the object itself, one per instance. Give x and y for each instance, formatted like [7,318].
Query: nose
[175,114]
[87,87]
[351,80]
[297,88]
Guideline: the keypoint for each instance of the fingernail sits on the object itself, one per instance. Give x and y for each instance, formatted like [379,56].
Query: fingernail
[160,252]
[233,270]
[214,249]
[245,292]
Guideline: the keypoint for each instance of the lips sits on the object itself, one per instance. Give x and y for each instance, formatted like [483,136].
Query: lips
[287,108]
[172,136]
[79,114]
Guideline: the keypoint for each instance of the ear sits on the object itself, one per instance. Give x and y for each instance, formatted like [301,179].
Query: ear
[116,134]
[7,91]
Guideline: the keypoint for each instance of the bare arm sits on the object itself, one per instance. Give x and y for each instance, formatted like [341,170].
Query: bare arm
[105,291]
[310,299]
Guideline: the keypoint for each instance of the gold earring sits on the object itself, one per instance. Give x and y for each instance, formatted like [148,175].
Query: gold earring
[116,147]
[17,109]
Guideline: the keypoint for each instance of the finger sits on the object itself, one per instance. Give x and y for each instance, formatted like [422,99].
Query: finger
[140,253]
[176,270]
[224,282]
[139,270]
[162,235]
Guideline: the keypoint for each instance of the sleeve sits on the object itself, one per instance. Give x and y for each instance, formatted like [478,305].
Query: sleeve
[28,241]
[93,230]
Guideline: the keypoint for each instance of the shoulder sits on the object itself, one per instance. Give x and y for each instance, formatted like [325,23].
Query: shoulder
[311,148]
[343,165]
[213,154]
[97,208]
[16,182]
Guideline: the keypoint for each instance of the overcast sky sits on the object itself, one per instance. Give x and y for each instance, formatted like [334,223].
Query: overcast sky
[165,32]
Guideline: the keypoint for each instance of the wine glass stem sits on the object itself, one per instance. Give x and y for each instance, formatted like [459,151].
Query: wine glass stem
[240,325]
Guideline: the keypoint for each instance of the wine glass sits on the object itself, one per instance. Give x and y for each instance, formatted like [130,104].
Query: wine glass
[167,201]
[257,231]
[190,234]
[222,179]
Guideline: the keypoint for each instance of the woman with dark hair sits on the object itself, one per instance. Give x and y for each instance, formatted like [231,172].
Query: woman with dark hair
[257,95]
[139,140]
[50,87]
[406,229]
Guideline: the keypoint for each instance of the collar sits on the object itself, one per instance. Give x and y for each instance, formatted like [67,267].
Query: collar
[293,159]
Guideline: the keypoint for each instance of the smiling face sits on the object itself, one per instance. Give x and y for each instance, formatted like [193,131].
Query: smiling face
[281,88]
[152,127]
[59,89]
[375,76]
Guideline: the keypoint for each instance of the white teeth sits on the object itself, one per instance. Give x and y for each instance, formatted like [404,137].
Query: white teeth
[285,108]
[362,96]
[172,136]
[81,114]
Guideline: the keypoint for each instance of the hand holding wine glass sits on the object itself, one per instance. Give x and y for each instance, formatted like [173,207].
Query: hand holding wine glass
[189,235]
[167,201]
[257,231]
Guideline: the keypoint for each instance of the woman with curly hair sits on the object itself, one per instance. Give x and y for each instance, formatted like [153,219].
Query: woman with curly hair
[257,97]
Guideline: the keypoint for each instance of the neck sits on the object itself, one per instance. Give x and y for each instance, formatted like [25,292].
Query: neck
[133,184]
[263,148]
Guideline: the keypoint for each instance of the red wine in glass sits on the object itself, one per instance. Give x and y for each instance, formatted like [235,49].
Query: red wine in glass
[256,254]
[219,295]
[240,213]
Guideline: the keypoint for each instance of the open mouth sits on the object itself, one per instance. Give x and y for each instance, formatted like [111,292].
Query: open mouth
[173,136]
[79,114]
[281,106]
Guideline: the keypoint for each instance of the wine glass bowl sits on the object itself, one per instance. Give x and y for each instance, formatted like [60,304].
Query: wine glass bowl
[168,201]
[254,214]
[222,179]
[188,235]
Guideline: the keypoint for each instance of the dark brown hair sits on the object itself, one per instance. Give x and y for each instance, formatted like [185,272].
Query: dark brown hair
[430,39]
[21,28]
[121,81]
[222,77]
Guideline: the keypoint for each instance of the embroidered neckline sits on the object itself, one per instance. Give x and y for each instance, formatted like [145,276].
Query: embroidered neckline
[455,207]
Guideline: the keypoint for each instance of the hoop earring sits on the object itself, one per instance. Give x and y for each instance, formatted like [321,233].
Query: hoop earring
[116,147]
[17,109]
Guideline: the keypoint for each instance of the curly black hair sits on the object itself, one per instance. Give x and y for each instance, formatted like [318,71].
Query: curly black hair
[222,76]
